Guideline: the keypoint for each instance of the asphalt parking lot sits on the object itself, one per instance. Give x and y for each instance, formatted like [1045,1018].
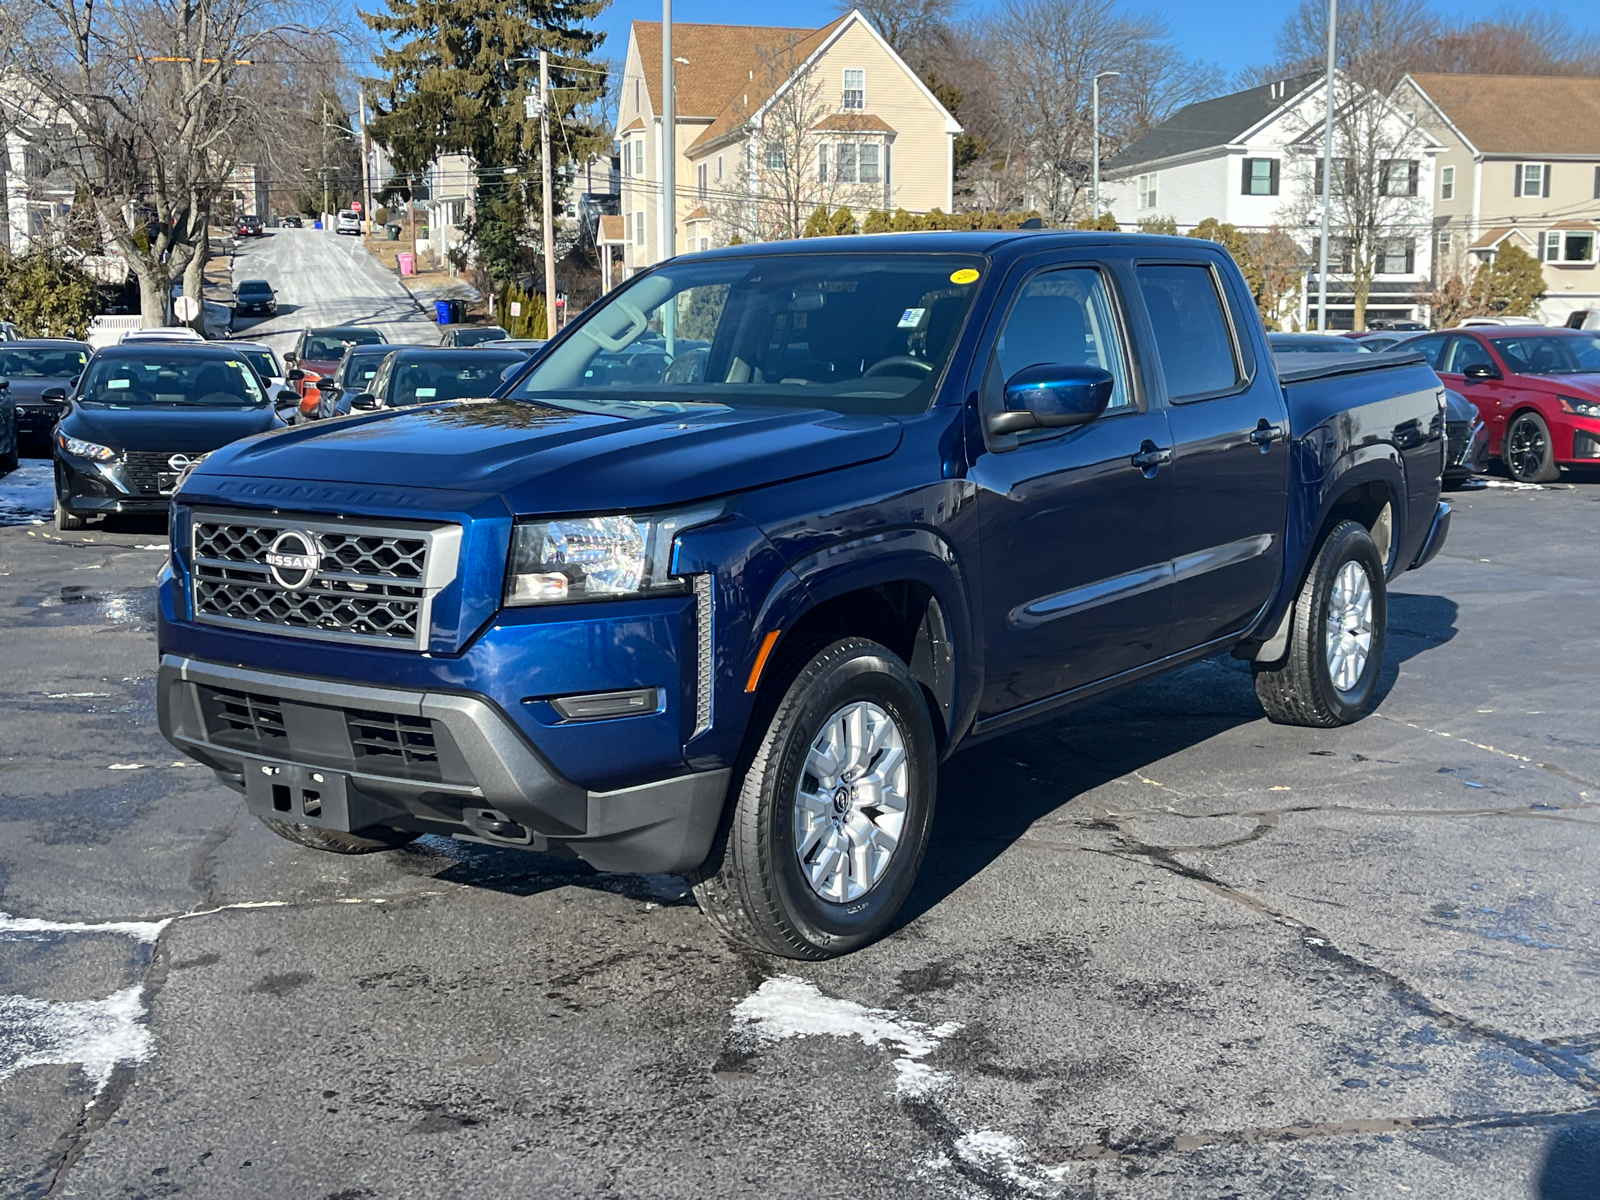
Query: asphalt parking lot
[1161,948]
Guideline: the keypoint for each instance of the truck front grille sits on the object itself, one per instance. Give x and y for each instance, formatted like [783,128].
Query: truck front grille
[149,473]
[369,584]
[406,740]
[246,718]
[1457,432]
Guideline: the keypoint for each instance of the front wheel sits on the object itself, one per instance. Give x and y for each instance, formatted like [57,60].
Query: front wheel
[831,817]
[1336,637]
[66,520]
[1528,453]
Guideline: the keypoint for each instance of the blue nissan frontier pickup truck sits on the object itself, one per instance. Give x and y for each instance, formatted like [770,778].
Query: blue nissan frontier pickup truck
[715,583]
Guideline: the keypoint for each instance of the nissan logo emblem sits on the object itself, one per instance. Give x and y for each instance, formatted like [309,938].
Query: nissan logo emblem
[293,559]
[178,462]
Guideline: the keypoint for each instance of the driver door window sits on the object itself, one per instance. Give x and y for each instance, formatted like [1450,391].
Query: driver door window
[1064,317]
[1466,352]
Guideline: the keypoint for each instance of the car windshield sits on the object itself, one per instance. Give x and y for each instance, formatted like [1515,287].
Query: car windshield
[1316,345]
[1562,354]
[163,377]
[254,286]
[358,370]
[65,363]
[323,347]
[263,362]
[854,333]
[474,337]
[424,380]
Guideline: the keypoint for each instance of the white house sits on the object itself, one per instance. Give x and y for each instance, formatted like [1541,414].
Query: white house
[1253,159]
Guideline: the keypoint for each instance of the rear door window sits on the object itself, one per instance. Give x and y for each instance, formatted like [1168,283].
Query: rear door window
[1192,334]
[1431,348]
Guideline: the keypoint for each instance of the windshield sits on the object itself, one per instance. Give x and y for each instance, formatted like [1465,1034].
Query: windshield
[1573,354]
[42,364]
[263,362]
[208,381]
[422,381]
[854,333]
[322,347]
[358,370]
[252,287]
[475,337]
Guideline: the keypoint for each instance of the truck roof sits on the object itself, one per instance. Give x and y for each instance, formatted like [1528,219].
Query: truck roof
[981,241]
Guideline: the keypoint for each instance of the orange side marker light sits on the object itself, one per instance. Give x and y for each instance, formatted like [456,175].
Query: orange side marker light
[767,643]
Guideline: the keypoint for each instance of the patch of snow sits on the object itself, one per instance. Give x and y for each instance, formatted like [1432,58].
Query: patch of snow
[144,931]
[1513,485]
[787,1007]
[28,494]
[1001,1154]
[95,1034]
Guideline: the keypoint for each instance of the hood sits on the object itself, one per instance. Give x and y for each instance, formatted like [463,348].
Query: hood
[548,460]
[168,428]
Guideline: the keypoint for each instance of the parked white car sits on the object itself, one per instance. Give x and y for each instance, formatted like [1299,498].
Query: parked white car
[348,222]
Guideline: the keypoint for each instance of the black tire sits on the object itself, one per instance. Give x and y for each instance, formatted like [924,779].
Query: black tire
[752,887]
[369,841]
[66,521]
[10,460]
[1301,689]
[1528,452]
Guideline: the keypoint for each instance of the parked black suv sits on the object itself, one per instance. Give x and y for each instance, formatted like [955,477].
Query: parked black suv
[144,413]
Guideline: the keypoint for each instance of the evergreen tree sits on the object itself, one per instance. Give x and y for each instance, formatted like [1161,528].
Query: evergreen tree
[455,82]
[1516,281]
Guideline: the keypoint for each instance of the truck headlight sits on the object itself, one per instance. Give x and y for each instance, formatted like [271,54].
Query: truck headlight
[598,558]
[83,449]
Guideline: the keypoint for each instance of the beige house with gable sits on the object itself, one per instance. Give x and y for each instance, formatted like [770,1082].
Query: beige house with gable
[1521,163]
[773,123]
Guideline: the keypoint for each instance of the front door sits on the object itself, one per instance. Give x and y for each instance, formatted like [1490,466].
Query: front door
[1230,437]
[1074,533]
[1493,398]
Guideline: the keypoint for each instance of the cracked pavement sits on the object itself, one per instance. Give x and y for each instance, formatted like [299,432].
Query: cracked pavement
[1161,948]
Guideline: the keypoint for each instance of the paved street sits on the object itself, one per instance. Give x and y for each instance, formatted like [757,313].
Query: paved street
[322,278]
[1161,948]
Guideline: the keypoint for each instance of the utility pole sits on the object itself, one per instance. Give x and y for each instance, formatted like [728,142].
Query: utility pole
[549,229]
[1094,89]
[324,162]
[669,138]
[1327,176]
[366,163]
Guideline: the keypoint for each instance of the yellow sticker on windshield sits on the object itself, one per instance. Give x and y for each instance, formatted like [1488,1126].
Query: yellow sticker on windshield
[965,275]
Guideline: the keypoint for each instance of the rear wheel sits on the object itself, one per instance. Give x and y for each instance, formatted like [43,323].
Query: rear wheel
[830,819]
[9,461]
[368,841]
[1336,638]
[1529,454]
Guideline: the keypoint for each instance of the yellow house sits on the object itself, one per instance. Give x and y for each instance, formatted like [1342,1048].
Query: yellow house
[772,124]
[1521,163]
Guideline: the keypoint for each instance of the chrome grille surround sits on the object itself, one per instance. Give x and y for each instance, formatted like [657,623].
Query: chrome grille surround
[374,585]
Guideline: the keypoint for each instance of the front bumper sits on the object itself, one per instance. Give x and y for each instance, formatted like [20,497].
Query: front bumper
[1468,453]
[87,490]
[37,420]
[347,757]
[1437,533]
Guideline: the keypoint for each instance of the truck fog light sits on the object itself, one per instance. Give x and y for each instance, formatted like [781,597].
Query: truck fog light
[597,706]
[537,586]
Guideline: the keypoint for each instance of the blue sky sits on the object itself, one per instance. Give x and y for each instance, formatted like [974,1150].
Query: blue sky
[1233,35]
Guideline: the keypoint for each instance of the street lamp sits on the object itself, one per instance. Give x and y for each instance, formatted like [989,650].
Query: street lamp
[1094,89]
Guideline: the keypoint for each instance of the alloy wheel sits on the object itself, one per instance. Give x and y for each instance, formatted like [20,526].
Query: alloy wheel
[1525,449]
[1348,629]
[850,803]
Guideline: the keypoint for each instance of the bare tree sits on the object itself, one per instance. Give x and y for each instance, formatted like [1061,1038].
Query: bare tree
[1046,53]
[146,105]
[910,26]
[796,151]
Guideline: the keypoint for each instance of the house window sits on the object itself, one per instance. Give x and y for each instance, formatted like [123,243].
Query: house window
[855,88]
[1260,177]
[638,228]
[1340,167]
[1400,177]
[1597,183]
[1447,183]
[719,168]
[638,157]
[1396,256]
[1147,190]
[853,162]
[1338,253]
[700,182]
[705,243]
[1447,244]
[1532,179]
[1567,246]
[775,157]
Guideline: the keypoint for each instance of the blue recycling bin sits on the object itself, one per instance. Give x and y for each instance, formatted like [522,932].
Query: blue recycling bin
[441,311]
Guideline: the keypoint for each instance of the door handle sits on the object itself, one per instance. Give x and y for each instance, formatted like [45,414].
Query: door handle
[1150,458]
[1265,433]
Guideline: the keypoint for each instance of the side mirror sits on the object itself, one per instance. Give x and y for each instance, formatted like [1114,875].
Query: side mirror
[294,374]
[1481,371]
[364,402]
[57,394]
[5,385]
[1053,396]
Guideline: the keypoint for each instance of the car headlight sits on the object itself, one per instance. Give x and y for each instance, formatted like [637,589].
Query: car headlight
[598,558]
[82,449]
[1580,408]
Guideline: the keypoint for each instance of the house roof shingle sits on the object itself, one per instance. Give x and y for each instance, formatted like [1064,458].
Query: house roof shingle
[612,231]
[1209,123]
[771,65]
[853,122]
[721,58]
[1520,114]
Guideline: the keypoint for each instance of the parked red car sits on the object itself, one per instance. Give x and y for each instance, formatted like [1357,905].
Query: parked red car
[1537,389]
